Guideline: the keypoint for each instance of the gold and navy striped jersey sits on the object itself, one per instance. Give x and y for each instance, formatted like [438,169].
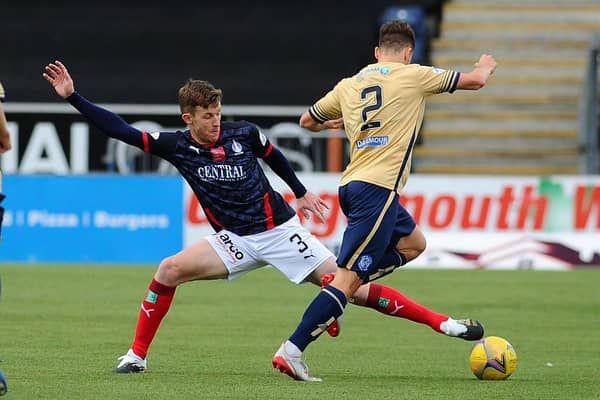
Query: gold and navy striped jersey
[383,107]
[1,92]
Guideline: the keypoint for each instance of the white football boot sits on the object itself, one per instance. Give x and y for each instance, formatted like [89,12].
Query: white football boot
[468,329]
[130,363]
[292,366]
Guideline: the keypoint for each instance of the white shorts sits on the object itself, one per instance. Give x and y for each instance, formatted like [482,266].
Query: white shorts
[289,247]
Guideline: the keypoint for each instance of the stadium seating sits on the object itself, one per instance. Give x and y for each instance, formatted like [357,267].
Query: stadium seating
[268,52]
[526,120]
[414,15]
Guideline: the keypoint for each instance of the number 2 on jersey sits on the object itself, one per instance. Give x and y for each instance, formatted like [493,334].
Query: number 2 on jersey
[376,89]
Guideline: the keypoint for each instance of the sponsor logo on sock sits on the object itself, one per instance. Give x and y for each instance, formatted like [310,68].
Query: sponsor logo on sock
[383,302]
[398,308]
[151,298]
[147,311]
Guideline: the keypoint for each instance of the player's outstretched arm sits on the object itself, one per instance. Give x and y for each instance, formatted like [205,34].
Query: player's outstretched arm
[307,122]
[478,77]
[110,123]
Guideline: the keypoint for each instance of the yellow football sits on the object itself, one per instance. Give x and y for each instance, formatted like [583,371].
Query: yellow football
[493,358]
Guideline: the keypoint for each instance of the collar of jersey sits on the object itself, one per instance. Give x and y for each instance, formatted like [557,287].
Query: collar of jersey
[209,144]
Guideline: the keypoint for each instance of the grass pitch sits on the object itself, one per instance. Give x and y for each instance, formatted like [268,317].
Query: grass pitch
[62,328]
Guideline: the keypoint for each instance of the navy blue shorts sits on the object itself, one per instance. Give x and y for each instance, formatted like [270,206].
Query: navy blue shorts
[376,221]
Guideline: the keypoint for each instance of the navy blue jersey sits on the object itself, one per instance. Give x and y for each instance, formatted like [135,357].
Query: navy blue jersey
[225,176]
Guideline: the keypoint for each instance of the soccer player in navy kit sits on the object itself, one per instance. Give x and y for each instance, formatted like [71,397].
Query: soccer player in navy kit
[254,225]
[382,107]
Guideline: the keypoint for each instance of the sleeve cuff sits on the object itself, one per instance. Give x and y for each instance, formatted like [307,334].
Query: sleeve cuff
[454,84]
[313,114]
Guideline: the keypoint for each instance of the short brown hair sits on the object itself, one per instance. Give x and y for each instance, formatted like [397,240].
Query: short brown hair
[197,93]
[396,35]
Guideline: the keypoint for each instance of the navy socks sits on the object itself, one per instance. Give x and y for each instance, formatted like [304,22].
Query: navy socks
[324,309]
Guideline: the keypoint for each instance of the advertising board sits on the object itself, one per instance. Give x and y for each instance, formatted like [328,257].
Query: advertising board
[472,222]
[96,219]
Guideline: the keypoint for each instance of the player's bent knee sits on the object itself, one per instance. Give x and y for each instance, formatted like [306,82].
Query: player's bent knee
[169,272]
[412,246]
[420,247]
[360,296]
[346,281]
[412,253]
[418,242]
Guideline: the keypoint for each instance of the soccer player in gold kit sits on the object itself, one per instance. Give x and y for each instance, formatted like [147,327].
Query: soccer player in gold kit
[382,107]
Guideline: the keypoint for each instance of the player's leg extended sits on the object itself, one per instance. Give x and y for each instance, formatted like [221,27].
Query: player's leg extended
[199,261]
[392,302]
[321,313]
[365,238]
[325,274]
[361,243]
[390,261]
[295,252]
[389,301]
